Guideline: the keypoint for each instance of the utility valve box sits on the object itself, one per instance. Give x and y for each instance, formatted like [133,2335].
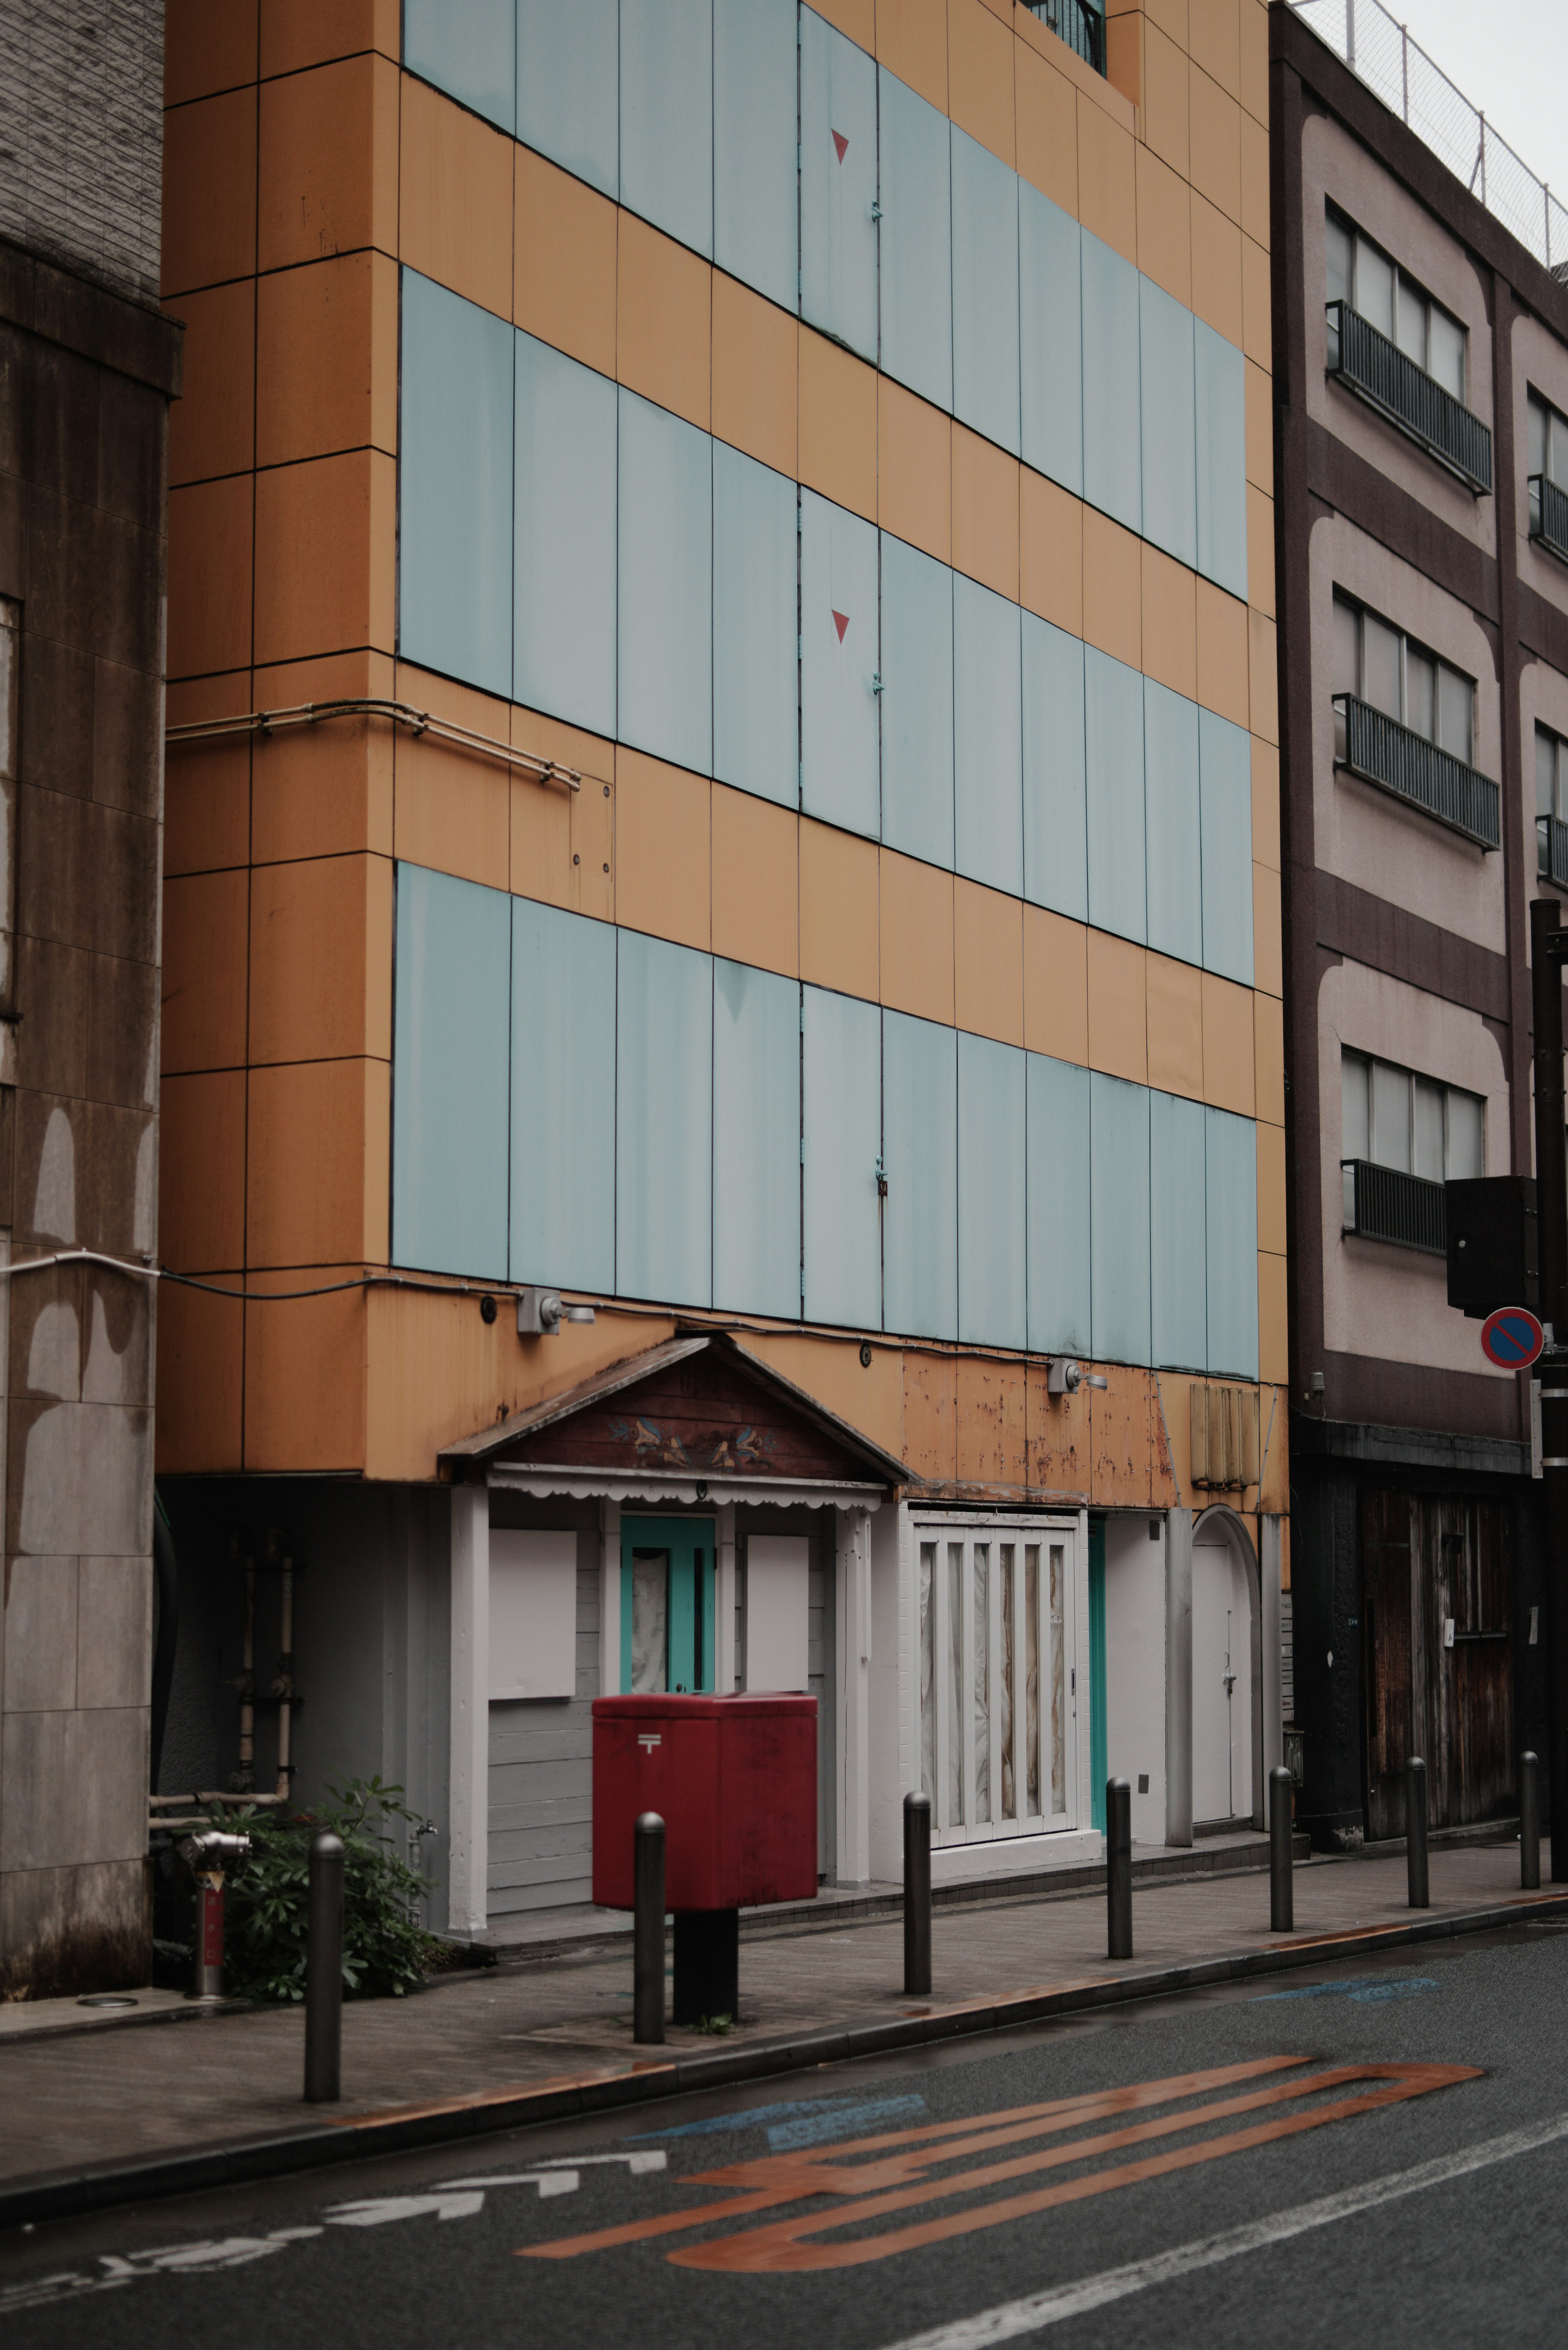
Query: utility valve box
[1493,1261]
[734,1779]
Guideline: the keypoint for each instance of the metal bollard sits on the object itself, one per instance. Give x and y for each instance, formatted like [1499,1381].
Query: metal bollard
[1529,1823]
[916,1896]
[1416,1832]
[647,1929]
[1118,1869]
[1281,1821]
[324,1973]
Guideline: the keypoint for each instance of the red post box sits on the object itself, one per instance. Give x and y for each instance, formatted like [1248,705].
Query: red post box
[734,1779]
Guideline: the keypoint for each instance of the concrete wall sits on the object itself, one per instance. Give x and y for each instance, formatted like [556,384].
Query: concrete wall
[82,137]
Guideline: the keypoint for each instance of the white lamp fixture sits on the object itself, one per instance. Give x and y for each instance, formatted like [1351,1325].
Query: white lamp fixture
[540,1313]
[1064,1377]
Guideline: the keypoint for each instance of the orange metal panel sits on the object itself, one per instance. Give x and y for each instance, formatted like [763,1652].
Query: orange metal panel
[316,1168]
[454,197]
[1124,56]
[931,1414]
[1120,1464]
[1229,1080]
[980,73]
[1223,682]
[1266,804]
[328,146]
[1056,1450]
[321,959]
[201,1171]
[207,787]
[326,359]
[211,427]
[326,790]
[917,936]
[838,424]
[1260,398]
[1051,552]
[1169,634]
[201,1383]
[297,33]
[1113,587]
[452,808]
[1263,675]
[206,49]
[912,42]
[209,192]
[1107,197]
[210,576]
[305,1378]
[1164,226]
[203,1024]
[1268,947]
[857,19]
[663,850]
[1271,1190]
[839,918]
[1216,169]
[1214,37]
[1253,80]
[988,962]
[1175,1026]
[1269,1024]
[664,314]
[756,374]
[756,884]
[1046,109]
[986,500]
[1055,987]
[1273,1349]
[1118,1031]
[564,254]
[325,559]
[989,1405]
[1255,180]
[914,469]
[1216,268]
[1255,322]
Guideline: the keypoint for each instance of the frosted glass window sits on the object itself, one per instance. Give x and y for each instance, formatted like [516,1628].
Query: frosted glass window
[985,291]
[1169,484]
[1050,357]
[919,1215]
[1231,1185]
[756,1141]
[664,617]
[755,675]
[563,1099]
[1226,759]
[454,488]
[1057,1205]
[664,1094]
[838,666]
[1354,1113]
[1112,402]
[991,1247]
[1055,848]
[1178,1234]
[841,1075]
[1220,376]
[449,1076]
[568,86]
[1173,854]
[667,116]
[917,703]
[1113,696]
[988,738]
[1429,1130]
[916,232]
[1118,1165]
[1466,1150]
[1391,1117]
[754,197]
[837,186]
[565,539]
[465,48]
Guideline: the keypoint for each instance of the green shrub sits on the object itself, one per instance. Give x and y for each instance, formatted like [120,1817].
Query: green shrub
[385,1949]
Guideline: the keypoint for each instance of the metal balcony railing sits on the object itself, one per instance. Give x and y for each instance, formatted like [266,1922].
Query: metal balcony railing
[1382,752]
[1548,515]
[1368,364]
[1382,1203]
[1551,849]
[1079,23]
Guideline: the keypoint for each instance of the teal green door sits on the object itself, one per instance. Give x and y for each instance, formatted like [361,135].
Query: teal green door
[666,1605]
[1098,1765]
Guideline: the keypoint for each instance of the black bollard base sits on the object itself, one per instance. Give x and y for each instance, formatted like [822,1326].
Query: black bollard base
[707,1965]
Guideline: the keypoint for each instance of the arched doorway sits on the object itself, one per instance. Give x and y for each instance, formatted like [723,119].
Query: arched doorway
[1226,1691]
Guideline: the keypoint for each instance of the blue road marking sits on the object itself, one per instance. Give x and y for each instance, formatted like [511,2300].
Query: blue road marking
[1368,1990]
[810,2121]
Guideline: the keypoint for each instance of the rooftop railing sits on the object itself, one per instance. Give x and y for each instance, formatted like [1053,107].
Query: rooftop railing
[1398,760]
[1364,360]
[1079,23]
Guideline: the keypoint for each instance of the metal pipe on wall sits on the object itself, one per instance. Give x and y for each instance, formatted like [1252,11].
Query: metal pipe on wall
[280,1551]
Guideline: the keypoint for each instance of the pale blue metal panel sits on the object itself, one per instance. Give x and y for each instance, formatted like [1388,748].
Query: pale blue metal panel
[665,578]
[1232,1166]
[993,1292]
[667,116]
[917,703]
[1057,1206]
[1177,1235]
[838,667]
[755,202]
[1055,849]
[988,737]
[837,186]
[1173,854]
[1225,753]
[465,48]
[985,291]
[919,1143]
[756,686]
[756,1141]
[841,1076]
[1220,379]
[1118,1176]
[1112,403]
[1113,697]
[568,86]
[916,255]
[565,548]
[1051,353]
[1169,484]
[449,1075]
[563,1099]
[454,487]
[664,1103]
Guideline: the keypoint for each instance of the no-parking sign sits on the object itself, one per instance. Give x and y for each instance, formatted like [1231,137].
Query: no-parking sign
[1512,1338]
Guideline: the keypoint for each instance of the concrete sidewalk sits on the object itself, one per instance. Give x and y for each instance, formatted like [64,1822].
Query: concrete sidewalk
[104,2115]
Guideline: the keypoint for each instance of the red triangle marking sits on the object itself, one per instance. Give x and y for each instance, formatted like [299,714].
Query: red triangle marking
[841,621]
[840,141]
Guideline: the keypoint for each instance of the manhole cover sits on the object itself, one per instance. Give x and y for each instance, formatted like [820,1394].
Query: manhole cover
[107,1999]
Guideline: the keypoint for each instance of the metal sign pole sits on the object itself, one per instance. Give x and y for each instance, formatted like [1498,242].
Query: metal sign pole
[1548,950]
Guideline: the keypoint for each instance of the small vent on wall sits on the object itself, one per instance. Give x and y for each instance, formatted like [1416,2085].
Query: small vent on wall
[1224,1436]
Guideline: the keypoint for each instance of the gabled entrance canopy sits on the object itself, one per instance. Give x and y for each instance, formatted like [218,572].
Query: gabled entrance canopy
[696,1419]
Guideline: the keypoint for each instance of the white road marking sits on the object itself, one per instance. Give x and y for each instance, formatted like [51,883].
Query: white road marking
[116,2269]
[1010,2319]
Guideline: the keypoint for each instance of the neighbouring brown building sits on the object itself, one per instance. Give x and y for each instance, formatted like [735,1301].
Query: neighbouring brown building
[1421,453]
[88,365]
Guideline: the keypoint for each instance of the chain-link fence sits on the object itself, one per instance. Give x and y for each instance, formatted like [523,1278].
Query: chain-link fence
[1381,53]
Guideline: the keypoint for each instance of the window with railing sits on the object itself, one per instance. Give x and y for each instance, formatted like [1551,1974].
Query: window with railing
[1405,720]
[1080,23]
[1552,807]
[1548,460]
[1391,344]
[1402,1136]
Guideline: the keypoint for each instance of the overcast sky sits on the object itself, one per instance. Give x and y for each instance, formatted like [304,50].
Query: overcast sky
[1510,57]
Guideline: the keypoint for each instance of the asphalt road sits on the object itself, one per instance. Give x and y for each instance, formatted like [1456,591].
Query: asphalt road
[1377,2153]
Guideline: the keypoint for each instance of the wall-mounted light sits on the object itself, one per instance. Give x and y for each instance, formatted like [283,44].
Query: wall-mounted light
[1064,1377]
[540,1313]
